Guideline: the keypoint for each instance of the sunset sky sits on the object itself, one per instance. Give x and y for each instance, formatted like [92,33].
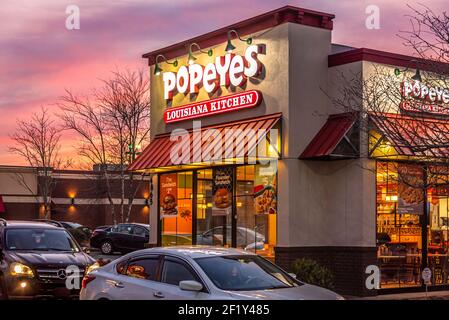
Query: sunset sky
[39,57]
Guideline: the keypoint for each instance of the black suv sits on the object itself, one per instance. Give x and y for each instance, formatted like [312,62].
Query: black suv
[37,260]
[123,237]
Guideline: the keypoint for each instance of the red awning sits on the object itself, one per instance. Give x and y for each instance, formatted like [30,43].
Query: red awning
[414,136]
[157,154]
[330,135]
[2,205]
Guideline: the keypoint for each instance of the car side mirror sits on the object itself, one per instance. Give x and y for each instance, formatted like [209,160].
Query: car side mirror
[190,285]
[292,275]
[86,250]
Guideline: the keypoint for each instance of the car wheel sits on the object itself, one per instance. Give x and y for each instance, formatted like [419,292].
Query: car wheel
[106,247]
[3,293]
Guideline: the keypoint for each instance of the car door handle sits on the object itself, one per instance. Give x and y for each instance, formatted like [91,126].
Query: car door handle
[158,294]
[119,285]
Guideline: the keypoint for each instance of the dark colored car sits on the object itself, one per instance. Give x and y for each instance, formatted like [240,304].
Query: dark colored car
[123,237]
[38,259]
[81,233]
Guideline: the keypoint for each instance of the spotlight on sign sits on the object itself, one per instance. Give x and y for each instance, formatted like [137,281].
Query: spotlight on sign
[230,46]
[157,67]
[191,58]
[417,76]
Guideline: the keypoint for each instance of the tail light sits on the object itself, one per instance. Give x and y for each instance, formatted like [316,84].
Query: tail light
[86,280]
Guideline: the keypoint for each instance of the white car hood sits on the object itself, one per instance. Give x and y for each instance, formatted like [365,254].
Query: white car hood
[304,292]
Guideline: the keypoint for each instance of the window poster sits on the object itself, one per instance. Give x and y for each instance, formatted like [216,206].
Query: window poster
[222,191]
[265,191]
[410,189]
[168,191]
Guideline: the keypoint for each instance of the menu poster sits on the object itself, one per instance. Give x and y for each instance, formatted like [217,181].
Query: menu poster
[168,191]
[410,200]
[222,191]
[265,191]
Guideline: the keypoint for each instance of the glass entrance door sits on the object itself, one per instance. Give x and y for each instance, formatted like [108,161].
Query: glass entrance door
[215,230]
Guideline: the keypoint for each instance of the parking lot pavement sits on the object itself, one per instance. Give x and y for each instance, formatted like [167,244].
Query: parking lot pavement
[96,254]
[435,295]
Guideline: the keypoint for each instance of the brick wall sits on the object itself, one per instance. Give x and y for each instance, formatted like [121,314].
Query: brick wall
[347,264]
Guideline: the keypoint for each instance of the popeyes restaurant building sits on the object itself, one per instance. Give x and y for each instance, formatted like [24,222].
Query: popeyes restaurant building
[248,151]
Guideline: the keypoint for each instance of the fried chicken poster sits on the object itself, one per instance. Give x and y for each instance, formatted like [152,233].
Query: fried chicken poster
[168,190]
[265,193]
[222,191]
[410,200]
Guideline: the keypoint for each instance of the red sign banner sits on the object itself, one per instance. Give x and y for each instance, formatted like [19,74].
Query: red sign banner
[233,102]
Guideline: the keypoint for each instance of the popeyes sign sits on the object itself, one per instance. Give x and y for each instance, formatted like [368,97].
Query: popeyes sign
[420,97]
[230,70]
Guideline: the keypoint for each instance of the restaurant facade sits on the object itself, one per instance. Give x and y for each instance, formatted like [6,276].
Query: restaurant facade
[248,150]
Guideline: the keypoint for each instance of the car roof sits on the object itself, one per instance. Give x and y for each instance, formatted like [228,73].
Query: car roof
[136,224]
[30,224]
[197,251]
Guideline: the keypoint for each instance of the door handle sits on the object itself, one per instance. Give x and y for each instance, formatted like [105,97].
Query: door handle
[119,285]
[158,294]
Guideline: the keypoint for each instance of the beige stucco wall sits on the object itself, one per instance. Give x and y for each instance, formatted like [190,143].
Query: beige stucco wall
[321,203]
[17,181]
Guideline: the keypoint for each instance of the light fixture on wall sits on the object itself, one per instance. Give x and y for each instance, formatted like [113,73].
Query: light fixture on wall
[147,202]
[191,58]
[158,69]
[72,201]
[416,76]
[230,46]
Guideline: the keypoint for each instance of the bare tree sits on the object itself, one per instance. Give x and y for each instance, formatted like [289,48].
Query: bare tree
[113,124]
[125,99]
[37,141]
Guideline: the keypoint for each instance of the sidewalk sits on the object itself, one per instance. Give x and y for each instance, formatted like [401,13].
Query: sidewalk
[435,295]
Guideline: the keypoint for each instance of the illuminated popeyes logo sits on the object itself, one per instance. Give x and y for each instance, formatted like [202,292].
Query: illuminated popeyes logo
[420,97]
[228,70]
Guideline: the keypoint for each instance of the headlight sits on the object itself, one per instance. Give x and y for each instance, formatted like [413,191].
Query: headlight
[92,267]
[19,269]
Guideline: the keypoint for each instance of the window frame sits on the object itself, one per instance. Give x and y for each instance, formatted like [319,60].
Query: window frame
[187,265]
[137,258]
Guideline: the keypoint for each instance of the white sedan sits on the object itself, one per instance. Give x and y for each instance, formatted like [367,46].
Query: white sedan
[196,273]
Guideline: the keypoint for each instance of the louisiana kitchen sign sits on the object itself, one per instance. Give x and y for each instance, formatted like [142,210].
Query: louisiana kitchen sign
[244,100]
[230,71]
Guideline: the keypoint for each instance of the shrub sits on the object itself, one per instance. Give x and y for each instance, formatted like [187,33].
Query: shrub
[309,271]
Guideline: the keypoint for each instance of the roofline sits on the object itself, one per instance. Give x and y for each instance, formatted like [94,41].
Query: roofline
[249,26]
[384,57]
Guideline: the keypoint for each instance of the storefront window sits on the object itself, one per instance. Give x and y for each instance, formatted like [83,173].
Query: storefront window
[212,229]
[249,190]
[438,198]
[256,205]
[176,208]
[399,238]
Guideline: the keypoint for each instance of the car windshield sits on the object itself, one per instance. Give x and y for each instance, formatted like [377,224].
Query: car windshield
[40,240]
[244,273]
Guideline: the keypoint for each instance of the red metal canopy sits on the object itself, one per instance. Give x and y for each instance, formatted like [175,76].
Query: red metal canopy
[157,154]
[329,136]
[414,136]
